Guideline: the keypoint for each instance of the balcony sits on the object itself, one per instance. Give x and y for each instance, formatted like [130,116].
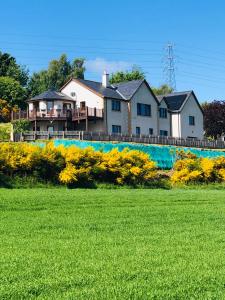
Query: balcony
[77,114]
[86,113]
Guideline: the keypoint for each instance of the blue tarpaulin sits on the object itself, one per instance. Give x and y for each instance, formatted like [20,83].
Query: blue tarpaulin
[164,156]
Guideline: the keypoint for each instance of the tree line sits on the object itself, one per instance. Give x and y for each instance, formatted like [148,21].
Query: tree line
[17,85]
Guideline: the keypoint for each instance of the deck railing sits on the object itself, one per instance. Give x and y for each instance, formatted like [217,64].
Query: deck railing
[76,114]
[101,136]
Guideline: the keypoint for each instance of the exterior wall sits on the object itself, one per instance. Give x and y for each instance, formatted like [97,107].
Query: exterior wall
[117,117]
[175,125]
[143,95]
[164,124]
[43,125]
[191,108]
[83,94]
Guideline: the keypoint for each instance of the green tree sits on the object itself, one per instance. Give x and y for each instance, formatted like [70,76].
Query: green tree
[12,91]
[164,89]
[78,68]
[121,76]
[58,72]
[9,68]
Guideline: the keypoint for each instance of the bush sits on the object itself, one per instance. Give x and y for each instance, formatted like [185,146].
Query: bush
[21,126]
[5,129]
[76,167]
[191,169]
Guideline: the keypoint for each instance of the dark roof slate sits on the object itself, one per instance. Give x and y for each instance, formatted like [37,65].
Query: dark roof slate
[52,95]
[109,92]
[175,100]
[127,89]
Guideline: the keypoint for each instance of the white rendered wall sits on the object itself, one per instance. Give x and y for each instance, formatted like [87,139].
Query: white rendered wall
[164,124]
[143,95]
[83,94]
[117,117]
[191,108]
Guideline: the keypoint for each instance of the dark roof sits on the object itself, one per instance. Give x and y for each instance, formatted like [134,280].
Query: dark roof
[52,95]
[174,101]
[121,91]
[109,92]
[127,89]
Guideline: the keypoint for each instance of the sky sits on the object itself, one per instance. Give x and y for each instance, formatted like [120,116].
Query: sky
[115,35]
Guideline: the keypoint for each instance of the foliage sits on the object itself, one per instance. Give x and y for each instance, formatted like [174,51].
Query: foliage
[21,126]
[135,74]
[58,72]
[198,170]
[164,89]
[125,167]
[5,111]
[9,68]
[214,118]
[5,129]
[12,92]
[77,167]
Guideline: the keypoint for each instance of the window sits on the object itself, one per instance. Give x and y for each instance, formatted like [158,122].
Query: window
[143,110]
[151,131]
[163,113]
[73,94]
[191,120]
[116,129]
[163,133]
[49,105]
[138,130]
[116,105]
[82,105]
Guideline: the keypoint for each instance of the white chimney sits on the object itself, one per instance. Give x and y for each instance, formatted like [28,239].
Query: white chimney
[105,79]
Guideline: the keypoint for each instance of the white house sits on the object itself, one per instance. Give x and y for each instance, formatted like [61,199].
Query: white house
[186,115]
[127,108]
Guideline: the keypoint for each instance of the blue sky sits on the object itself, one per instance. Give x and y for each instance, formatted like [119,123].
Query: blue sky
[115,35]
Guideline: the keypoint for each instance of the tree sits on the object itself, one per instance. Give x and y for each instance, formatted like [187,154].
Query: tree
[78,68]
[12,91]
[164,89]
[9,68]
[214,118]
[58,72]
[135,74]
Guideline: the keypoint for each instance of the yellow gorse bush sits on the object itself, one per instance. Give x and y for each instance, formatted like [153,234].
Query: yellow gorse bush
[76,166]
[198,170]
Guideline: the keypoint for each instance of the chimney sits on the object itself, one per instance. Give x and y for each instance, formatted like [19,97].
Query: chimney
[105,79]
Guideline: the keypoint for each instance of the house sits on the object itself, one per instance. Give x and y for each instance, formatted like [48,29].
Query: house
[124,108]
[129,107]
[185,115]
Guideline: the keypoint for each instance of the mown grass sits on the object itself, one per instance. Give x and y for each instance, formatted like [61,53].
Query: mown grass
[112,244]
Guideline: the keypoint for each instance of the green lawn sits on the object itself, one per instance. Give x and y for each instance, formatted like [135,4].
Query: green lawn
[112,244]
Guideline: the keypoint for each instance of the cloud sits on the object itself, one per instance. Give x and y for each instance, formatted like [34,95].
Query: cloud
[99,65]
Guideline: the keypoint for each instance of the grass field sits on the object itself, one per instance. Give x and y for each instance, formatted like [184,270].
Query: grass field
[112,244]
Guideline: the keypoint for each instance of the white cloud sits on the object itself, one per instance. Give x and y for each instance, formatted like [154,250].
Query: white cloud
[99,65]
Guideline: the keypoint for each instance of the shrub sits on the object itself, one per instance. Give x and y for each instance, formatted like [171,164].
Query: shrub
[73,166]
[199,170]
[21,126]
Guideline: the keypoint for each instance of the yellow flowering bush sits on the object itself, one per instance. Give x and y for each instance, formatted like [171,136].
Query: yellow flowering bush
[191,169]
[74,166]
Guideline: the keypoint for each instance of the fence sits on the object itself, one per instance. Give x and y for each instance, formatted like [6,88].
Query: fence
[103,137]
